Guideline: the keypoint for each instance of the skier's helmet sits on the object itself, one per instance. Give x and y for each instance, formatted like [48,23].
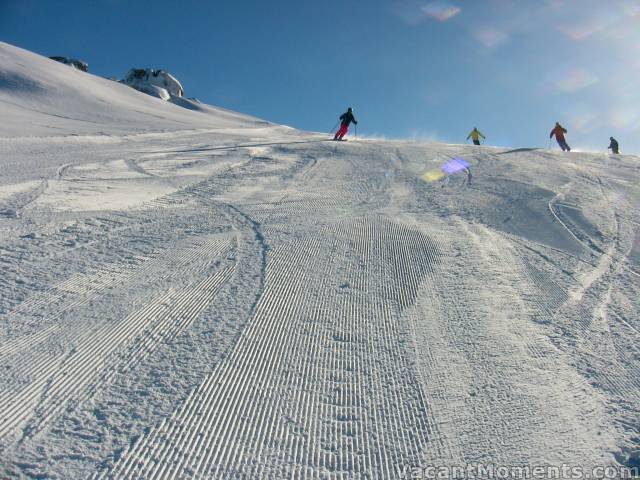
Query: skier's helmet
[610,138]
[349,109]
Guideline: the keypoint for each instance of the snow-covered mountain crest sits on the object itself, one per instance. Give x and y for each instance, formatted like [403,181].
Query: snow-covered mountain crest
[42,97]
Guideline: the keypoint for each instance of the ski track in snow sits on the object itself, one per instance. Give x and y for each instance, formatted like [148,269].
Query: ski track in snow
[392,322]
[56,380]
[320,403]
[81,288]
[13,206]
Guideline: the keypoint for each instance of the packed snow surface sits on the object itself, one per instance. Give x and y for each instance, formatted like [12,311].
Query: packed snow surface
[193,293]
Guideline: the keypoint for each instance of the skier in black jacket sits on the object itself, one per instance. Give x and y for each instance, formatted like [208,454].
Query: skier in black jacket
[613,146]
[345,119]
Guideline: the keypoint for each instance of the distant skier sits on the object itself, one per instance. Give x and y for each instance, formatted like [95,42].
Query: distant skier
[613,146]
[559,132]
[475,136]
[345,120]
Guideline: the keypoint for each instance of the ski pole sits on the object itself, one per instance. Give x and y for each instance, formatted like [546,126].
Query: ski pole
[334,127]
[355,130]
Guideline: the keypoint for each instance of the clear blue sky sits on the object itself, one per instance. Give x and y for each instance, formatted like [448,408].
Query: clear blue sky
[411,69]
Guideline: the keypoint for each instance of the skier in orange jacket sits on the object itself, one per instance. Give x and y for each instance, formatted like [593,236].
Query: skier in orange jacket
[559,132]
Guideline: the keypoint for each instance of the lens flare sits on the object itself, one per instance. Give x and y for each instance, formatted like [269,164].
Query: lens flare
[450,167]
[433,175]
[570,80]
[490,37]
[624,118]
[455,165]
[441,11]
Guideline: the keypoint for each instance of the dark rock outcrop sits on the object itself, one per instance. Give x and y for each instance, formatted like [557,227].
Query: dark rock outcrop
[80,65]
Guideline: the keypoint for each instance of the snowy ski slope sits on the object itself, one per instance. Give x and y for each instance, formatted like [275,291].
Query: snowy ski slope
[200,294]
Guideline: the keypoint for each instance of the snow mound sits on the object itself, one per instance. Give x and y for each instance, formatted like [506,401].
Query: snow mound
[156,83]
[42,98]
